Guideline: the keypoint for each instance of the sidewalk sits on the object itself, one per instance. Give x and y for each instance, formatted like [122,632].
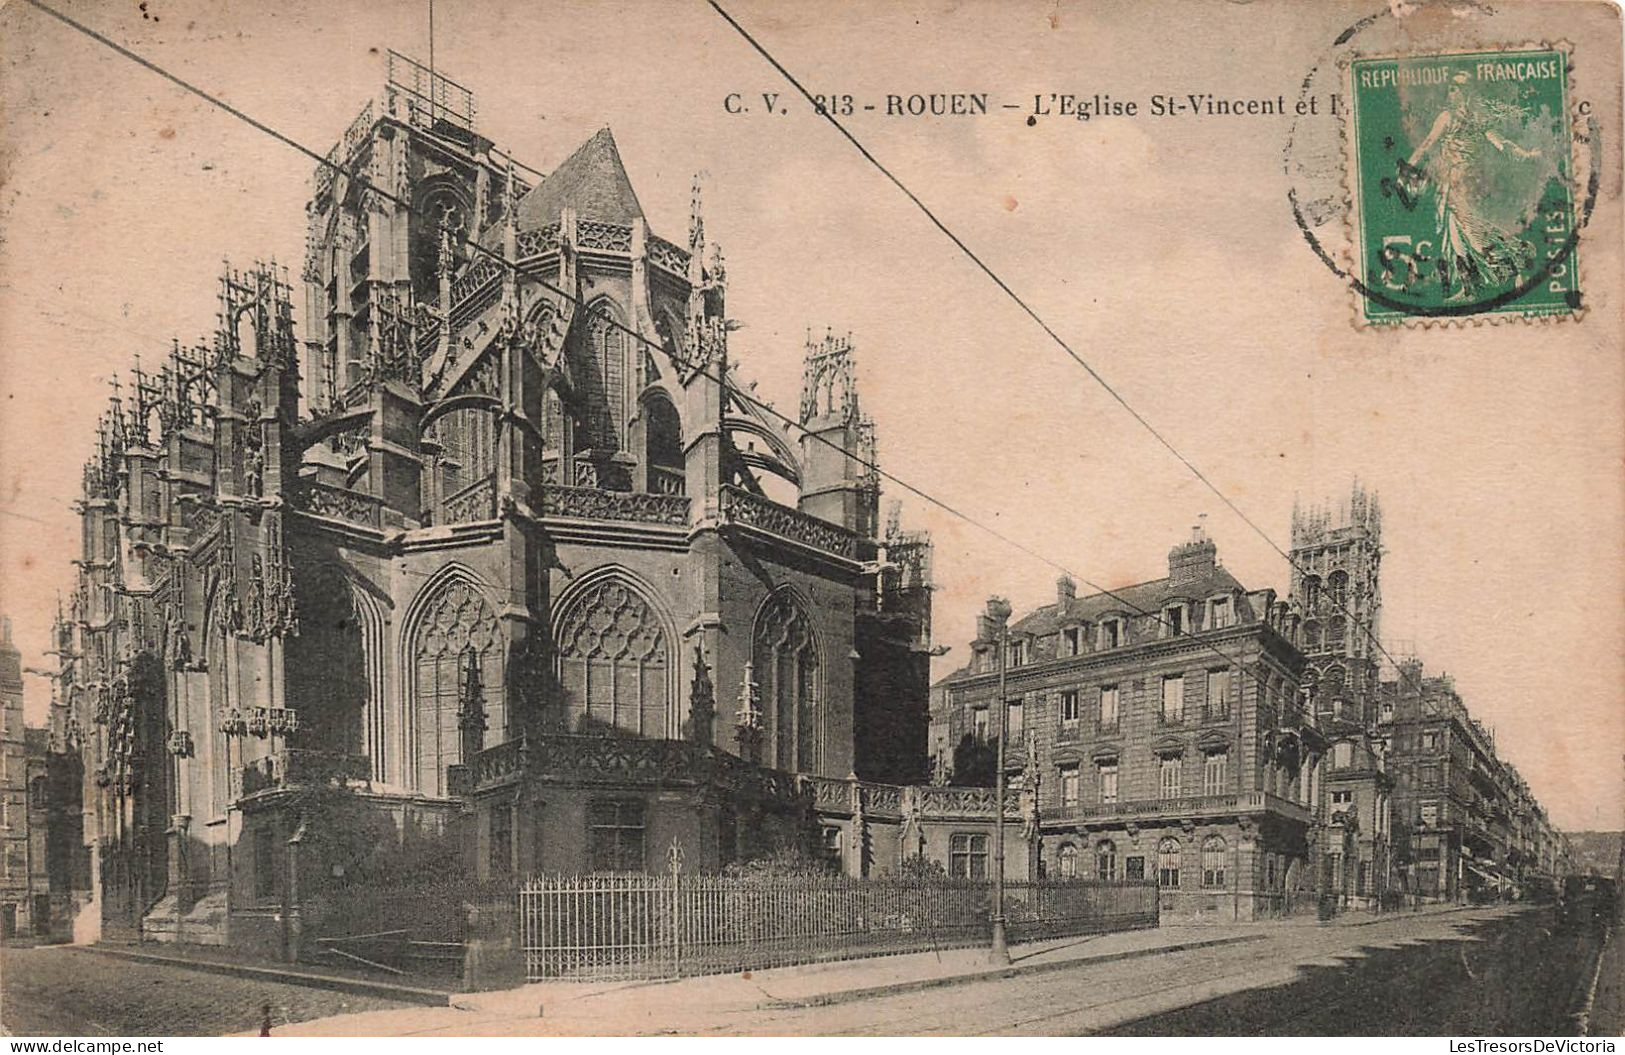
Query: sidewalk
[692,1005]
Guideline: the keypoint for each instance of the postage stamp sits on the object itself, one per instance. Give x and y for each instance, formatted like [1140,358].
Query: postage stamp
[1460,182]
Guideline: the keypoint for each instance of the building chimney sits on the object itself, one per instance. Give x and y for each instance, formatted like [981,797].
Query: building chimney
[1065,591]
[1195,559]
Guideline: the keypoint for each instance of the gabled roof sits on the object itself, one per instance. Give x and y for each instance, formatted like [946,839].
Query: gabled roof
[592,181]
[1130,600]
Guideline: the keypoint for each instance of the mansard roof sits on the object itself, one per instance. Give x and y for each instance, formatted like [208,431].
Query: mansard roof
[1130,600]
[592,181]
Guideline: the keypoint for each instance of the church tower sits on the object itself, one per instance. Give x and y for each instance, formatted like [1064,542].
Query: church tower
[1336,559]
[838,447]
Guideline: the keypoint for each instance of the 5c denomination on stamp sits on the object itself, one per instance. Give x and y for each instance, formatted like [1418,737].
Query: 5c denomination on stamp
[1460,183]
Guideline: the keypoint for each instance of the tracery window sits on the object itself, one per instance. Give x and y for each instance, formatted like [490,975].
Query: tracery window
[600,374]
[786,666]
[456,625]
[615,662]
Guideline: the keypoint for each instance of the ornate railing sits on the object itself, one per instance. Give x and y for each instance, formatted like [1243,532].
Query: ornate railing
[668,257]
[610,237]
[570,758]
[339,503]
[537,241]
[741,507]
[592,503]
[965,802]
[477,501]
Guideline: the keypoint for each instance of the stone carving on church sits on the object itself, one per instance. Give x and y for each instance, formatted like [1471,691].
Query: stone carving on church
[592,503]
[742,507]
[701,700]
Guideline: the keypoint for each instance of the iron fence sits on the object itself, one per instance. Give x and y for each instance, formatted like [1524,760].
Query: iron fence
[644,926]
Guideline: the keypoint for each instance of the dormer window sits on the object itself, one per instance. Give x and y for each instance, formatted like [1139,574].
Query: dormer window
[1111,632]
[1220,613]
[1018,652]
[1072,641]
[1173,620]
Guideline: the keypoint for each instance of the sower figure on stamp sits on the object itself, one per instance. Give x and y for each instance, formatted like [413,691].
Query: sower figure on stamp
[1477,248]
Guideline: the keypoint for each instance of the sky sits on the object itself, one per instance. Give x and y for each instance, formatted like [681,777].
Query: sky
[1162,249]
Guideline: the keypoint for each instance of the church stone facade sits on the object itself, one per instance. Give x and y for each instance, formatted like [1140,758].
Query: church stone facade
[498,548]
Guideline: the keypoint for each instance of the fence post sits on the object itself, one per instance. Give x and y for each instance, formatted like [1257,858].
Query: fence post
[674,861]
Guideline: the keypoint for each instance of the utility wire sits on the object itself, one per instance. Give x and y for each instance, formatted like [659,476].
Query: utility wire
[471,243]
[828,114]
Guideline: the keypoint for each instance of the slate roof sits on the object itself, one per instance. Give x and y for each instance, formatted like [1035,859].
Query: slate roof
[592,180]
[1133,600]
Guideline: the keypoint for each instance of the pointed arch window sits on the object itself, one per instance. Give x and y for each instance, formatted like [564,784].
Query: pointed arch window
[615,663]
[457,630]
[663,446]
[787,669]
[600,374]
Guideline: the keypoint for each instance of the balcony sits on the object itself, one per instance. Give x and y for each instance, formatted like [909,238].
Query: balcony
[339,503]
[593,503]
[1245,803]
[746,509]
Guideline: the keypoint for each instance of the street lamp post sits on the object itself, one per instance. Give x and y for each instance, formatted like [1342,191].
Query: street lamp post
[998,610]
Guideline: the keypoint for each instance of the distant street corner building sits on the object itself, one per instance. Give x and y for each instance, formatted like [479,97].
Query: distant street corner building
[468,565]
[1245,752]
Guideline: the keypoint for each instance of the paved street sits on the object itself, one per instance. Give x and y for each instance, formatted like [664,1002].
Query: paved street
[1493,972]
[60,990]
[1490,971]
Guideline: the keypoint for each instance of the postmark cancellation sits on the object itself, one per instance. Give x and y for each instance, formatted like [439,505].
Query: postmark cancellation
[1463,190]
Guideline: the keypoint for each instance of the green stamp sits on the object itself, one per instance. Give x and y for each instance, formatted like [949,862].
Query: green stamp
[1462,194]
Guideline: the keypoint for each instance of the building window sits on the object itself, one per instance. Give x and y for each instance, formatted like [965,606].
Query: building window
[1018,652]
[615,836]
[1219,613]
[1335,633]
[1342,753]
[787,668]
[1168,777]
[1134,868]
[1430,740]
[1108,781]
[1168,864]
[1213,862]
[1218,693]
[1111,633]
[830,846]
[1337,588]
[1066,861]
[1269,871]
[1429,776]
[264,864]
[1342,798]
[967,855]
[1430,814]
[1173,620]
[979,724]
[1215,772]
[458,631]
[1069,787]
[502,840]
[1106,860]
[1173,698]
[1069,707]
[1108,708]
[1013,715]
[1072,640]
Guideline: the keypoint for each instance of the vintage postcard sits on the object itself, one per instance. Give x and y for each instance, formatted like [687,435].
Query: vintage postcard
[727,517]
